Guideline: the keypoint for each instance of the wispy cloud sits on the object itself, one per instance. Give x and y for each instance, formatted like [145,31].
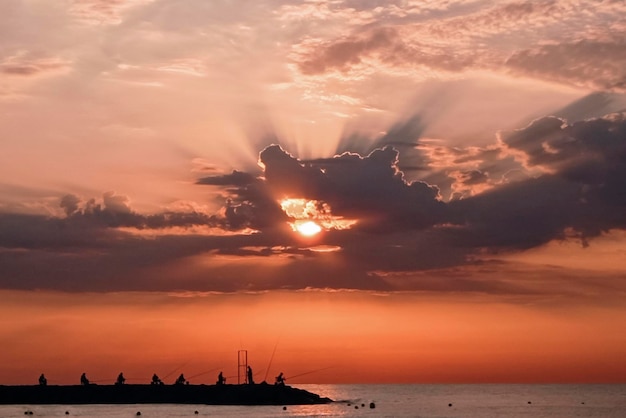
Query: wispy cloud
[25,64]
[570,42]
[103,11]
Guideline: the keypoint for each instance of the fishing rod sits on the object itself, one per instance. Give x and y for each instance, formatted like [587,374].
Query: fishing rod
[115,380]
[175,370]
[312,371]
[137,378]
[203,373]
[271,359]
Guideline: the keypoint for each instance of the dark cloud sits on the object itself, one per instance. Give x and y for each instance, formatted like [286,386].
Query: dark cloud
[496,205]
[585,191]
[516,216]
[595,147]
[236,178]
[402,135]
[114,211]
[70,204]
[570,183]
[370,188]
[38,252]
[472,177]
[250,202]
[19,231]
[593,105]
[115,203]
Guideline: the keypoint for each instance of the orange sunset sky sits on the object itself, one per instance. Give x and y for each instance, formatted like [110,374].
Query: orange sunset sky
[351,190]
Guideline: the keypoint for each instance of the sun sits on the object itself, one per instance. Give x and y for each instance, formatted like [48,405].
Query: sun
[308,228]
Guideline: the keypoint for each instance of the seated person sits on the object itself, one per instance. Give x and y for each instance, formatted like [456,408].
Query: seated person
[181,380]
[120,379]
[280,379]
[83,380]
[156,380]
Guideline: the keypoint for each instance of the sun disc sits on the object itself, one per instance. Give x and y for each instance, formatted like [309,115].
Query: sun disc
[308,228]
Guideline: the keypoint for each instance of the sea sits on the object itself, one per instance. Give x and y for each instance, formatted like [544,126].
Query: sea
[376,400]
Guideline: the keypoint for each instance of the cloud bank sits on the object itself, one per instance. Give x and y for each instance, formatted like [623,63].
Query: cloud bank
[570,185]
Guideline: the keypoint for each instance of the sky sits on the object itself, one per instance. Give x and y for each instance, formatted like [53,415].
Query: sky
[353,191]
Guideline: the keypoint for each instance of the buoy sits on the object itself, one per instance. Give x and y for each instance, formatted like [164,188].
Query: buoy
[362,405]
[195,412]
[349,404]
[356,406]
[372,405]
[529,402]
[67,412]
[449,404]
[284,408]
[582,403]
[138,413]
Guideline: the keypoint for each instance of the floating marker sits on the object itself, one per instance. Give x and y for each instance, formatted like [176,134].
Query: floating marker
[449,404]
[284,408]
[372,405]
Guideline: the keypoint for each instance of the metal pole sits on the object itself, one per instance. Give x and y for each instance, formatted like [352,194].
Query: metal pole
[242,367]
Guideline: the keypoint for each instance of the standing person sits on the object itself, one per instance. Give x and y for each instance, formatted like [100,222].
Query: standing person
[250,379]
[221,379]
[42,380]
[83,380]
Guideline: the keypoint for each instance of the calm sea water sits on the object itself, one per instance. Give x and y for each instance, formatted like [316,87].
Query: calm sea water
[433,401]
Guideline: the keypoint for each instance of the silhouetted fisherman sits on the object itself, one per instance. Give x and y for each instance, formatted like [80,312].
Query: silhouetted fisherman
[156,380]
[250,379]
[280,380]
[83,380]
[221,380]
[42,380]
[181,380]
[120,379]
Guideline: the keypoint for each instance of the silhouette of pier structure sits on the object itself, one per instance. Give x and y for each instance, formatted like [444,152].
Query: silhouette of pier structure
[245,392]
